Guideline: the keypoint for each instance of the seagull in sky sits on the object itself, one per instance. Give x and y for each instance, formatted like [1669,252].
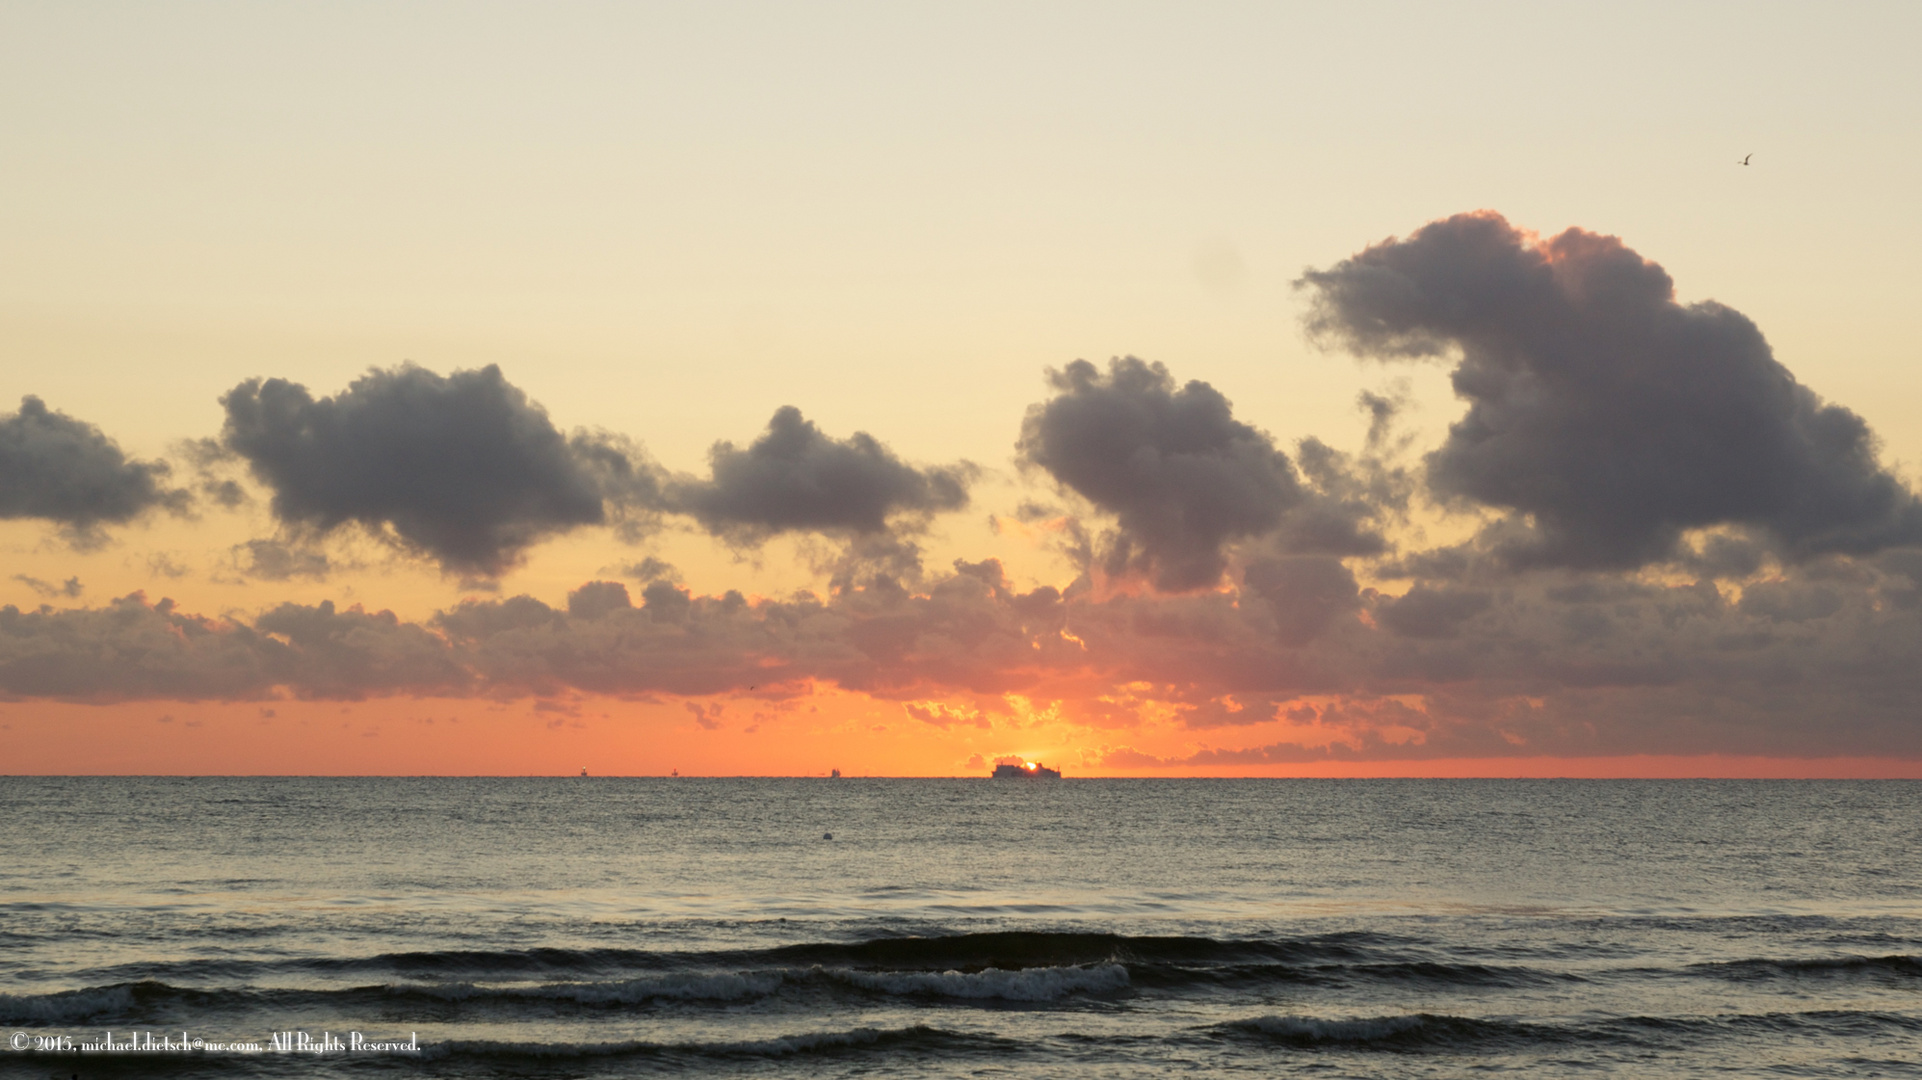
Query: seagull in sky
[1745,158]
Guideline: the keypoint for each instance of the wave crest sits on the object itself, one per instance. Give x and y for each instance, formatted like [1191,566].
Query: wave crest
[1028,984]
[1406,1031]
[918,1037]
[67,1006]
[718,986]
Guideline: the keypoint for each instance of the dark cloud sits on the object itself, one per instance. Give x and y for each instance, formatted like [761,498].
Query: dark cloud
[1382,410]
[1610,415]
[347,655]
[1305,593]
[1792,602]
[163,564]
[1818,661]
[1186,480]
[597,598]
[1369,729]
[462,468]
[68,472]
[211,461]
[226,494]
[275,560]
[69,588]
[869,558]
[649,569]
[1353,497]
[131,649]
[1426,612]
[1182,476]
[793,478]
[1225,711]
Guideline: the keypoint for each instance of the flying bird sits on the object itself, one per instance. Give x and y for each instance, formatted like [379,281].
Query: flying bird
[1745,158]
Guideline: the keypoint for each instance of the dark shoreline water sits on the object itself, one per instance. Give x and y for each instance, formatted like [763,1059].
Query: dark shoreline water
[611,927]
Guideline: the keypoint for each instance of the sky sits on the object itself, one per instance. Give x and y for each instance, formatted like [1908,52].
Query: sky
[1147,389]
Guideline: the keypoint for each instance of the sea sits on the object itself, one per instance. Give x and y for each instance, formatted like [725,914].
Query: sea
[604,927]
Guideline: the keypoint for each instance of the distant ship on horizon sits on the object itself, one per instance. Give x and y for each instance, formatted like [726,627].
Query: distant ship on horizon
[1032,770]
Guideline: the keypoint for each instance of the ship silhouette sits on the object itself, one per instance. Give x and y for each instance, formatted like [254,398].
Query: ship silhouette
[1032,770]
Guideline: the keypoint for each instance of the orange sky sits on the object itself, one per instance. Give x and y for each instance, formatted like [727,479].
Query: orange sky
[1562,522]
[463,737]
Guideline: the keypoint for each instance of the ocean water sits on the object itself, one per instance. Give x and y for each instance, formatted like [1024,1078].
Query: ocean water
[588,927]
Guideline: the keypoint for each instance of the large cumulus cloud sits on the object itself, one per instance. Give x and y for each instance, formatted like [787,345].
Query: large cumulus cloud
[795,478]
[1181,475]
[462,468]
[66,471]
[1612,416]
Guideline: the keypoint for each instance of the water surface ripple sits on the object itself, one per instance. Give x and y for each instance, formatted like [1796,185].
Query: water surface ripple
[588,927]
